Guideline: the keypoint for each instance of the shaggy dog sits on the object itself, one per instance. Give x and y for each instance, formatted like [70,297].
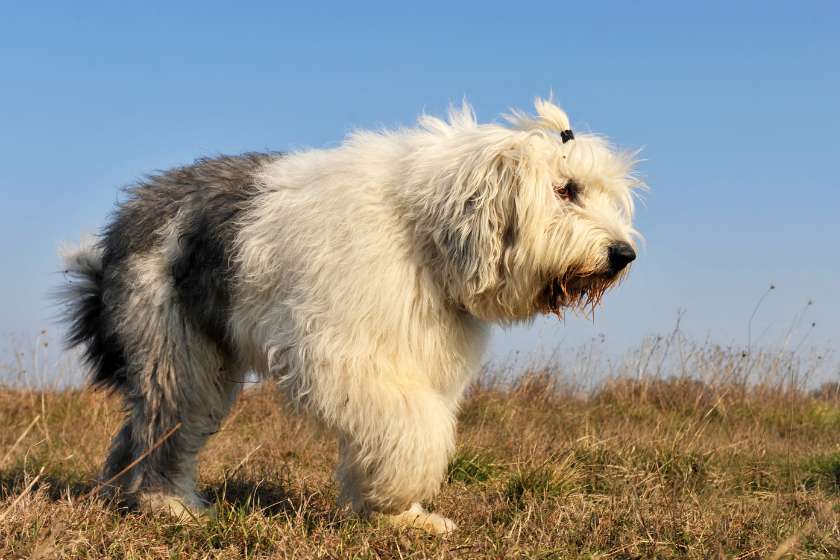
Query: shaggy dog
[363,280]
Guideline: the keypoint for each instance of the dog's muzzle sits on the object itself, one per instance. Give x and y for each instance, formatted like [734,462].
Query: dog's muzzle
[620,255]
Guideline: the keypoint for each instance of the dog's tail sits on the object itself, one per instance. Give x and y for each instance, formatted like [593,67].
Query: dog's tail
[82,309]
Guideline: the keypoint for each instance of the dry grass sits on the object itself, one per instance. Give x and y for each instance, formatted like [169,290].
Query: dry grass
[685,451]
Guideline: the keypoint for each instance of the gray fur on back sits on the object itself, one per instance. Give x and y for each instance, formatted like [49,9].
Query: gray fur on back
[203,203]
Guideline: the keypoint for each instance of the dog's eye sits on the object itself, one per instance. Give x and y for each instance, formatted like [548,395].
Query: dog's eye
[562,191]
[567,192]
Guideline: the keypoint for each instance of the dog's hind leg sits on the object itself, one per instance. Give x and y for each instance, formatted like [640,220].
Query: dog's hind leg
[395,445]
[169,395]
[175,377]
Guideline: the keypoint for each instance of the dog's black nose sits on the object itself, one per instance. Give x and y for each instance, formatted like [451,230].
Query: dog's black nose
[620,256]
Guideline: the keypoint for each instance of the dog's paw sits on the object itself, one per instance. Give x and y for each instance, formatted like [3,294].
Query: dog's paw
[418,517]
[177,506]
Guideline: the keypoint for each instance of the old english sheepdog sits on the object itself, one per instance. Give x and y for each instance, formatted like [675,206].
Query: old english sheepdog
[362,280]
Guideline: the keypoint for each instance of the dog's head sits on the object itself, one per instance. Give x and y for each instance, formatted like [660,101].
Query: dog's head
[524,219]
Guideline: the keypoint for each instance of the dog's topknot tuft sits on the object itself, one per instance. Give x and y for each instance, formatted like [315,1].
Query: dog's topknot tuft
[549,116]
[552,116]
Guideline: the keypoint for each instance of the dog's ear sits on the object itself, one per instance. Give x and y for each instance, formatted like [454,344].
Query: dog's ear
[475,221]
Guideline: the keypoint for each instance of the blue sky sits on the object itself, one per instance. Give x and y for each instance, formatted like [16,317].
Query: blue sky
[735,105]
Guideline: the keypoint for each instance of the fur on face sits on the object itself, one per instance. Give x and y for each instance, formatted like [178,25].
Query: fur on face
[362,280]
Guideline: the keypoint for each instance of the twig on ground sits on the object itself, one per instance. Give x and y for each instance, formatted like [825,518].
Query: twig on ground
[19,439]
[22,494]
[137,460]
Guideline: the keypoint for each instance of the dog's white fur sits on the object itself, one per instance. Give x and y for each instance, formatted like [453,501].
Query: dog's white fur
[369,275]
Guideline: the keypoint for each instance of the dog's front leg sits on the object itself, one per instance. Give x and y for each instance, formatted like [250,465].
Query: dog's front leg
[395,444]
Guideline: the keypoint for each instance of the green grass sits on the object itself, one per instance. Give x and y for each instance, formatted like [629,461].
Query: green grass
[471,466]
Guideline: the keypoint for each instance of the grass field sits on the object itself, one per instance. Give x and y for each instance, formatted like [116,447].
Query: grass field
[679,451]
